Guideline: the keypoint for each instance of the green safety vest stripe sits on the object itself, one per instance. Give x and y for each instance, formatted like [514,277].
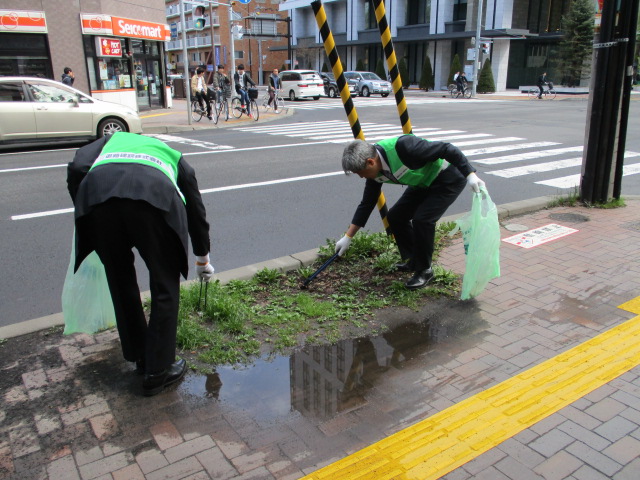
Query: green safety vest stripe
[421,177]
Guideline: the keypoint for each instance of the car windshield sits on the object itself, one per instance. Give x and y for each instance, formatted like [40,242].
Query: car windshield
[309,76]
[370,76]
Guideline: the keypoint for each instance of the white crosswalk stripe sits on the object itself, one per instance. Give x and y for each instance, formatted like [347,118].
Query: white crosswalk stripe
[330,103]
[485,145]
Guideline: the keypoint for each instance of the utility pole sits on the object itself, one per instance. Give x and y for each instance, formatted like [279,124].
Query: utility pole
[476,60]
[185,62]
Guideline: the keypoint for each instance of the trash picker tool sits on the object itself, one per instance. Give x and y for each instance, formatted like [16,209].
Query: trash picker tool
[315,274]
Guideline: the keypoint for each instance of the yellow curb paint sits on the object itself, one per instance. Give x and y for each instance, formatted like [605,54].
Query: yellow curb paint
[445,441]
[161,114]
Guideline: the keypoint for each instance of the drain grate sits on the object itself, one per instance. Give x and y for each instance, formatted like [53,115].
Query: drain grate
[569,217]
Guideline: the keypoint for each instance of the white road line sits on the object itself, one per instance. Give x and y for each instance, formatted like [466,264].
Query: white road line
[537,168]
[505,148]
[485,141]
[294,126]
[42,214]
[190,142]
[528,155]
[571,181]
[7,170]
[394,130]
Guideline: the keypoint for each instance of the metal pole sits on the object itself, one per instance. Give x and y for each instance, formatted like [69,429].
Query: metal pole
[476,61]
[185,62]
[231,44]
[260,62]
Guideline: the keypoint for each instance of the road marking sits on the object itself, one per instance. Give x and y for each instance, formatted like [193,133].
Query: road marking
[505,148]
[529,155]
[445,441]
[191,142]
[205,191]
[161,114]
[571,181]
[7,170]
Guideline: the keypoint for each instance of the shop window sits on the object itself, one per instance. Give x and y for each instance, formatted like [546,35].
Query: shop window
[107,73]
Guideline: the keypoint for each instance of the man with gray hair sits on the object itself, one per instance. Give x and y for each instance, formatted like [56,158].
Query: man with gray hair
[435,173]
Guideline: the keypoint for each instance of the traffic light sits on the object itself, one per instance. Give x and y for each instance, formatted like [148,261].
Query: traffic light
[197,15]
[485,47]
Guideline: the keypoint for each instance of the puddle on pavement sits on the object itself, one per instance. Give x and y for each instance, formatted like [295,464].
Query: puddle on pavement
[322,381]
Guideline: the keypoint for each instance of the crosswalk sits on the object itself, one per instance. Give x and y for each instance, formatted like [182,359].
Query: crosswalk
[551,158]
[331,103]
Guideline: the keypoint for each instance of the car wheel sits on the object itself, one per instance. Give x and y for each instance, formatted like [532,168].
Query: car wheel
[316,98]
[384,95]
[365,92]
[332,93]
[292,95]
[110,126]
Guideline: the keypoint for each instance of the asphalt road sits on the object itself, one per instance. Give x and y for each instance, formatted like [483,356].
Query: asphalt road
[275,188]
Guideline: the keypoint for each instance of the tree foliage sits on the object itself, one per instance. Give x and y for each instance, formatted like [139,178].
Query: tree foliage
[486,83]
[404,73]
[427,81]
[455,67]
[576,46]
[360,66]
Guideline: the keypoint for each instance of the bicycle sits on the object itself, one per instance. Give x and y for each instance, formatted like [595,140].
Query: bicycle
[221,106]
[278,103]
[237,110]
[197,112]
[453,91]
[547,92]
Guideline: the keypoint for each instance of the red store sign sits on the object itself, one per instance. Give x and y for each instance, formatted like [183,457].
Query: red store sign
[98,24]
[108,47]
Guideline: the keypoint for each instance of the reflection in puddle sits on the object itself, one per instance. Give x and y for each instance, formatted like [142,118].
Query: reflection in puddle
[323,381]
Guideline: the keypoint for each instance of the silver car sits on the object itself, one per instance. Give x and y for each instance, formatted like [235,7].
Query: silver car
[367,83]
[40,110]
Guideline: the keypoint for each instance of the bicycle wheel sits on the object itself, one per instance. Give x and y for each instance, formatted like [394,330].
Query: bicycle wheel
[467,93]
[255,113]
[196,112]
[551,94]
[452,90]
[236,107]
[277,104]
[533,93]
[214,113]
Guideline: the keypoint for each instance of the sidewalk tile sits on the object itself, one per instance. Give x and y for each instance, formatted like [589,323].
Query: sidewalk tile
[151,460]
[559,466]
[188,448]
[130,472]
[180,469]
[103,426]
[166,435]
[594,458]
[63,468]
[624,450]
[105,465]
[615,429]
[216,465]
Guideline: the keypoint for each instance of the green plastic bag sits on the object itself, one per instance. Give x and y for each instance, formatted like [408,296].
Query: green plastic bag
[86,301]
[481,238]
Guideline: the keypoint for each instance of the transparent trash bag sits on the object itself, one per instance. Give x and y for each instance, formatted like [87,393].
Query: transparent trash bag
[86,301]
[481,237]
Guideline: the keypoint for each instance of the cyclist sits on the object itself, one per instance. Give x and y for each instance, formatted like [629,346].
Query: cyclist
[274,86]
[199,89]
[461,82]
[242,80]
[542,81]
[221,84]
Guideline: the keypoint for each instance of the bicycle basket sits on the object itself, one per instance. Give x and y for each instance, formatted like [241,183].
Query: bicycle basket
[550,85]
[253,93]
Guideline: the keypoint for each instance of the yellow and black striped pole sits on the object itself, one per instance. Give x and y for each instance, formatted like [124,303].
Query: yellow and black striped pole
[392,64]
[349,107]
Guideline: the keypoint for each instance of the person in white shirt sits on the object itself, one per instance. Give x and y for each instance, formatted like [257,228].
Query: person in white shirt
[199,89]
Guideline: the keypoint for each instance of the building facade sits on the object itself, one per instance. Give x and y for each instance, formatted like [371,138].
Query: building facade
[261,48]
[114,47]
[522,35]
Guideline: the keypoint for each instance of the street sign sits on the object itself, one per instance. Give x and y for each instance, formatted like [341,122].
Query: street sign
[244,1]
[174,31]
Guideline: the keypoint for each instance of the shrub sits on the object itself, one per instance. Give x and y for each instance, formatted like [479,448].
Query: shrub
[380,69]
[426,80]
[455,67]
[485,82]
[404,73]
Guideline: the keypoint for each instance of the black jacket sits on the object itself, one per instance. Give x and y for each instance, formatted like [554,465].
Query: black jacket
[415,153]
[247,80]
[137,182]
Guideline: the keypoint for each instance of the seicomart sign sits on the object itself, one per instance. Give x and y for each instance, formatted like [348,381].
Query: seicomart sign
[98,24]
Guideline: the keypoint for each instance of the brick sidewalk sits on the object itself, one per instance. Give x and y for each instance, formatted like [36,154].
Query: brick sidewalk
[73,409]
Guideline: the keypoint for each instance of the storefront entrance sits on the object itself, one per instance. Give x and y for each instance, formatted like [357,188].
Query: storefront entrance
[148,80]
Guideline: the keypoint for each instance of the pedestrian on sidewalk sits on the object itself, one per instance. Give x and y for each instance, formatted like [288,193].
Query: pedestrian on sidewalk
[274,86]
[435,173]
[68,77]
[134,191]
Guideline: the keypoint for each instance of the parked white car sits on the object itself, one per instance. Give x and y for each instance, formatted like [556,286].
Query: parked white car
[301,84]
[40,110]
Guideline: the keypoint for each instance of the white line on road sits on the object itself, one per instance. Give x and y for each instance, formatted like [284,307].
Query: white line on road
[505,148]
[7,170]
[529,155]
[571,181]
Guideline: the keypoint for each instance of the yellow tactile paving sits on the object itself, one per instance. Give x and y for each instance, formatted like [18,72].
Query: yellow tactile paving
[451,438]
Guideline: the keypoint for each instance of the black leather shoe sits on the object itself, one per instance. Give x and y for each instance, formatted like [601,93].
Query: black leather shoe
[404,267]
[154,382]
[140,366]
[420,279]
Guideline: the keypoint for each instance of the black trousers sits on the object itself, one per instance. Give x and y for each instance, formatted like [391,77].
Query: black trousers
[117,226]
[414,216]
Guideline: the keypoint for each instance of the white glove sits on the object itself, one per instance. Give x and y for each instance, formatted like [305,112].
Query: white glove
[342,245]
[474,182]
[204,269]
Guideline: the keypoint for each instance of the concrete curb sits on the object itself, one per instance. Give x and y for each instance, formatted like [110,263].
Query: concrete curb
[282,264]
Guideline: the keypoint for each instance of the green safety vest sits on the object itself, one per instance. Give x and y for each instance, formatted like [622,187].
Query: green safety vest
[422,177]
[132,148]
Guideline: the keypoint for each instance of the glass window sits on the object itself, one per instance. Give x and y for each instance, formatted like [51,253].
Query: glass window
[418,12]
[11,92]
[107,73]
[370,16]
[46,93]
[459,10]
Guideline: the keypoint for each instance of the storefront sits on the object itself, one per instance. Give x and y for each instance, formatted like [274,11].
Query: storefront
[125,60]
[24,48]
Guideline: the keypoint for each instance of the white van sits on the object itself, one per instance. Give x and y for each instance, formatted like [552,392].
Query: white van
[301,84]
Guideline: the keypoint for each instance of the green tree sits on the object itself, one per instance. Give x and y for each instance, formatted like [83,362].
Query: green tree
[360,66]
[324,67]
[455,67]
[576,46]
[485,81]
[426,80]
[380,69]
[404,73]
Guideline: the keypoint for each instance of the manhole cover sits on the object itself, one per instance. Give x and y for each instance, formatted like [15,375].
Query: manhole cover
[516,227]
[569,217]
[635,226]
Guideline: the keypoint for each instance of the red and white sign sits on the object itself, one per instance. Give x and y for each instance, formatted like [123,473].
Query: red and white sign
[22,21]
[124,27]
[540,235]
[108,47]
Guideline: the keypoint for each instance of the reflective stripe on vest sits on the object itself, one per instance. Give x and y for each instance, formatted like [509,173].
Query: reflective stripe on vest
[132,148]
[421,177]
